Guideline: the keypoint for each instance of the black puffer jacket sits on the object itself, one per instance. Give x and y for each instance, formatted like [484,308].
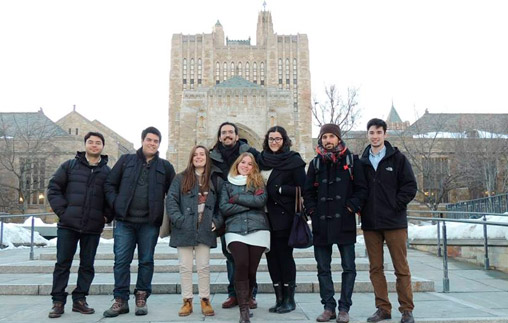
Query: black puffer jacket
[328,193]
[76,195]
[391,188]
[182,209]
[246,213]
[121,185]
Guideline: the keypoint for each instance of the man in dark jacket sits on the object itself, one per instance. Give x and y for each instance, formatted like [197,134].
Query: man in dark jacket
[76,195]
[136,189]
[226,150]
[392,185]
[335,189]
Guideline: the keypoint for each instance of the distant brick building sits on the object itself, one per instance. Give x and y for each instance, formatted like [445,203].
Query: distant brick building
[215,79]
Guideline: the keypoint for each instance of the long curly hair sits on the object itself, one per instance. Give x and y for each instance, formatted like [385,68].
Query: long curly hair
[254,179]
[189,174]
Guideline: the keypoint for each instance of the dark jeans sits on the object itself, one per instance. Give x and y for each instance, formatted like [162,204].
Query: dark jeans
[323,255]
[230,266]
[66,246]
[281,263]
[127,235]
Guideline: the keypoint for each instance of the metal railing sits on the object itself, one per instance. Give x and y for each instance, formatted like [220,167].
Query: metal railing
[473,219]
[32,227]
[494,204]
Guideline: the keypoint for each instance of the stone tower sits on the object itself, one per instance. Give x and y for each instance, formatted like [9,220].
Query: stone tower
[215,79]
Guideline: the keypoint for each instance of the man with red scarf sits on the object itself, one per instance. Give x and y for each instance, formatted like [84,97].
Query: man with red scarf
[335,189]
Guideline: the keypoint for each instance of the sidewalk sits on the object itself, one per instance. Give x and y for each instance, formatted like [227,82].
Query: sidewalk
[476,295]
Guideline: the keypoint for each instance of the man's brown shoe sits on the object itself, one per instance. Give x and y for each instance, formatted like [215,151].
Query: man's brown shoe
[343,317]
[326,316]
[141,308]
[379,315]
[206,307]
[230,302]
[186,308]
[120,306]
[82,307]
[57,310]
[253,303]
[407,317]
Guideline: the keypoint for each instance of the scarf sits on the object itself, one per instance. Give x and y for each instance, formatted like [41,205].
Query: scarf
[332,155]
[229,154]
[238,180]
[283,161]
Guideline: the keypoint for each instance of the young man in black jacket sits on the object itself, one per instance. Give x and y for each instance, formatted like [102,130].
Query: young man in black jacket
[136,189]
[335,189]
[392,185]
[76,195]
[223,154]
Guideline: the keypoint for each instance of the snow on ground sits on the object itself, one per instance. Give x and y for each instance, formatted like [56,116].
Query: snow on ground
[456,230]
[17,234]
[37,222]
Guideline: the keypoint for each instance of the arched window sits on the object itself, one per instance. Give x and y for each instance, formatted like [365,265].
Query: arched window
[225,71]
[232,72]
[247,71]
[184,76]
[262,67]
[287,73]
[191,74]
[294,71]
[255,72]
[280,73]
[217,73]
[239,69]
[199,72]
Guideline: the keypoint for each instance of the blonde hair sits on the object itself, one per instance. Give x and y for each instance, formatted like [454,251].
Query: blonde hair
[254,179]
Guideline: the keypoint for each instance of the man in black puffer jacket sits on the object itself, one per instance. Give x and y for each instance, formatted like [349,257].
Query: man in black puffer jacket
[76,195]
[136,189]
[392,185]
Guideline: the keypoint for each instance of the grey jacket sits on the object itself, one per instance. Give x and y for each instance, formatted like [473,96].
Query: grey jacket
[245,213]
[182,209]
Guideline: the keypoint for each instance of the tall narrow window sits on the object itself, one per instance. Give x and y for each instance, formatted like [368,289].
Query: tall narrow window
[192,73]
[294,71]
[262,67]
[247,71]
[184,78]
[217,73]
[255,72]
[280,73]
[32,180]
[232,72]
[225,71]
[199,71]
[287,73]
[239,69]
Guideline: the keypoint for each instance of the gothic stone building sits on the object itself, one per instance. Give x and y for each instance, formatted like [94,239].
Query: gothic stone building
[214,79]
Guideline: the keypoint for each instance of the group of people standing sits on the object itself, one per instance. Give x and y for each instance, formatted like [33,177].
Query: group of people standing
[245,197]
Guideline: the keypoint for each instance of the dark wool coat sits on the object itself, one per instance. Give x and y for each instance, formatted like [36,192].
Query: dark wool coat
[121,185]
[281,205]
[327,194]
[77,195]
[218,161]
[391,188]
[245,214]
[182,209]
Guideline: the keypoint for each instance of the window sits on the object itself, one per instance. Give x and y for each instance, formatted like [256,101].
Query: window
[217,73]
[33,180]
[192,73]
[262,67]
[280,73]
[70,131]
[247,71]
[232,72]
[199,71]
[225,71]
[77,131]
[239,69]
[184,76]
[255,72]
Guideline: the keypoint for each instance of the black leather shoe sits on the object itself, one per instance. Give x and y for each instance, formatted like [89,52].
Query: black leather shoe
[57,310]
[407,317]
[379,315]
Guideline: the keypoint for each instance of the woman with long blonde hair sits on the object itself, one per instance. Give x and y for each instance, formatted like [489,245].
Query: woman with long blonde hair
[193,208]
[242,204]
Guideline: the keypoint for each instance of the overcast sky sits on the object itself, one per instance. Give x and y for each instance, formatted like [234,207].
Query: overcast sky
[111,58]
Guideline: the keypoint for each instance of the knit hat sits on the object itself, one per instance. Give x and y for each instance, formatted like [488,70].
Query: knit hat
[329,128]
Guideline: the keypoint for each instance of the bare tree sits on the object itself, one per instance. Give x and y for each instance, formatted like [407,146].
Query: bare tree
[336,109]
[26,152]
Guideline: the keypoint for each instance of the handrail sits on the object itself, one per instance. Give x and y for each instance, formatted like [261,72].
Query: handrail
[32,227]
[443,219]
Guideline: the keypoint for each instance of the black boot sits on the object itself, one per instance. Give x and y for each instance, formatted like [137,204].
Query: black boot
[288,303]
[243,297]
[278,298]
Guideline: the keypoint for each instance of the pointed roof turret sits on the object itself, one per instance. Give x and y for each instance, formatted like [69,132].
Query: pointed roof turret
[393,116]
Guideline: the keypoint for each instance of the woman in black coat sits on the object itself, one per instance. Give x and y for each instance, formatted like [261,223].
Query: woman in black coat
[283,170]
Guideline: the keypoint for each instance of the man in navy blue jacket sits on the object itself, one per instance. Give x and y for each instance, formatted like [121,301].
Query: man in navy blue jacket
[392,185]
[76,195]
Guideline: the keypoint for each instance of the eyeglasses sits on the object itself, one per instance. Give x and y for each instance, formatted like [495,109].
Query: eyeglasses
[277,140]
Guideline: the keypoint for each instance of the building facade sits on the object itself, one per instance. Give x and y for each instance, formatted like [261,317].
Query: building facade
[214,79]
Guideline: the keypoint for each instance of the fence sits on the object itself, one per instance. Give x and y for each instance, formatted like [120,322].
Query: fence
[493,204]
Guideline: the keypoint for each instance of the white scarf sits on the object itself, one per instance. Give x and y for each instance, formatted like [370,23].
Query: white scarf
[238,180]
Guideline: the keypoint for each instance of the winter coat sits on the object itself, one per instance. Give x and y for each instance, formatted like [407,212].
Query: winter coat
[218,161]
[281,204]
[391,188]
[121,185]
[76,195]
[245,214]
[328,194]
[182,209]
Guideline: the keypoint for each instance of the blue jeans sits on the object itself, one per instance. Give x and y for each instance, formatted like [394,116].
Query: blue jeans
[323,255]
[66,246]
[127,235]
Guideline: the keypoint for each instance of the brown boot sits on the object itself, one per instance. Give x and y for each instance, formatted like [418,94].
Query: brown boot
[186,308]
[206,307]
[120,306]
[141,308]
[82,307]
[379,315]
[326,316]
[57,310]
[231,301]
[243,295]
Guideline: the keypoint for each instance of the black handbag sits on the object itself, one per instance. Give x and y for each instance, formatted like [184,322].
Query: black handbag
[301,235]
